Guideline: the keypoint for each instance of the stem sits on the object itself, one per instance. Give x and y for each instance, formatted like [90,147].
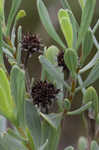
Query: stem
[23,135]
[26,60]
[81,84]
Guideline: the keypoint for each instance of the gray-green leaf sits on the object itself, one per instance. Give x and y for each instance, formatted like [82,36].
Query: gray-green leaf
[87,45]
[33,123]
[93,75]
[47,22]
[17,81]
[71,60]
[53,119]
[86,19]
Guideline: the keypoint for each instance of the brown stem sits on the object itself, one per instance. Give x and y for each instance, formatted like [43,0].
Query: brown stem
[23,135]
[73,86]
[28,146]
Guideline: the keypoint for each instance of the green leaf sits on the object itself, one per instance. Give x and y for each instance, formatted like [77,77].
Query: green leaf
[91,96]
[5,45]
[53,119]
[19,15]
[7,142]
[81,109]
[17,80]
[51,54]
[33,123]
[1,49]
[93,75]
[19,48]
[86,19]
[54,73]
[30,139]
[15,134]
[51,134]
[13,10]
[7,52]
[75,28]
[6,103]
[2,124]
[66,26]
[82,143]
[87,45]
[47,22]
[1,8]
[69,148]
[66,5]
[94,145]
[2,16]
[75,25]
[82,3]
[71,60]
[42,147]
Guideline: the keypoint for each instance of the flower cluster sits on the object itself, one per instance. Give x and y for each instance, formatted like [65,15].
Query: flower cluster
[43,94]
[31,43]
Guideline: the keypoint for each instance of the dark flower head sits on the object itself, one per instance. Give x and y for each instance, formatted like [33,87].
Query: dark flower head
[31,43]
[43,94]
[61,63]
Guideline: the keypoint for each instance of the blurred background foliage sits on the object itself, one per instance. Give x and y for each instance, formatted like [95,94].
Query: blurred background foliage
[73,126]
